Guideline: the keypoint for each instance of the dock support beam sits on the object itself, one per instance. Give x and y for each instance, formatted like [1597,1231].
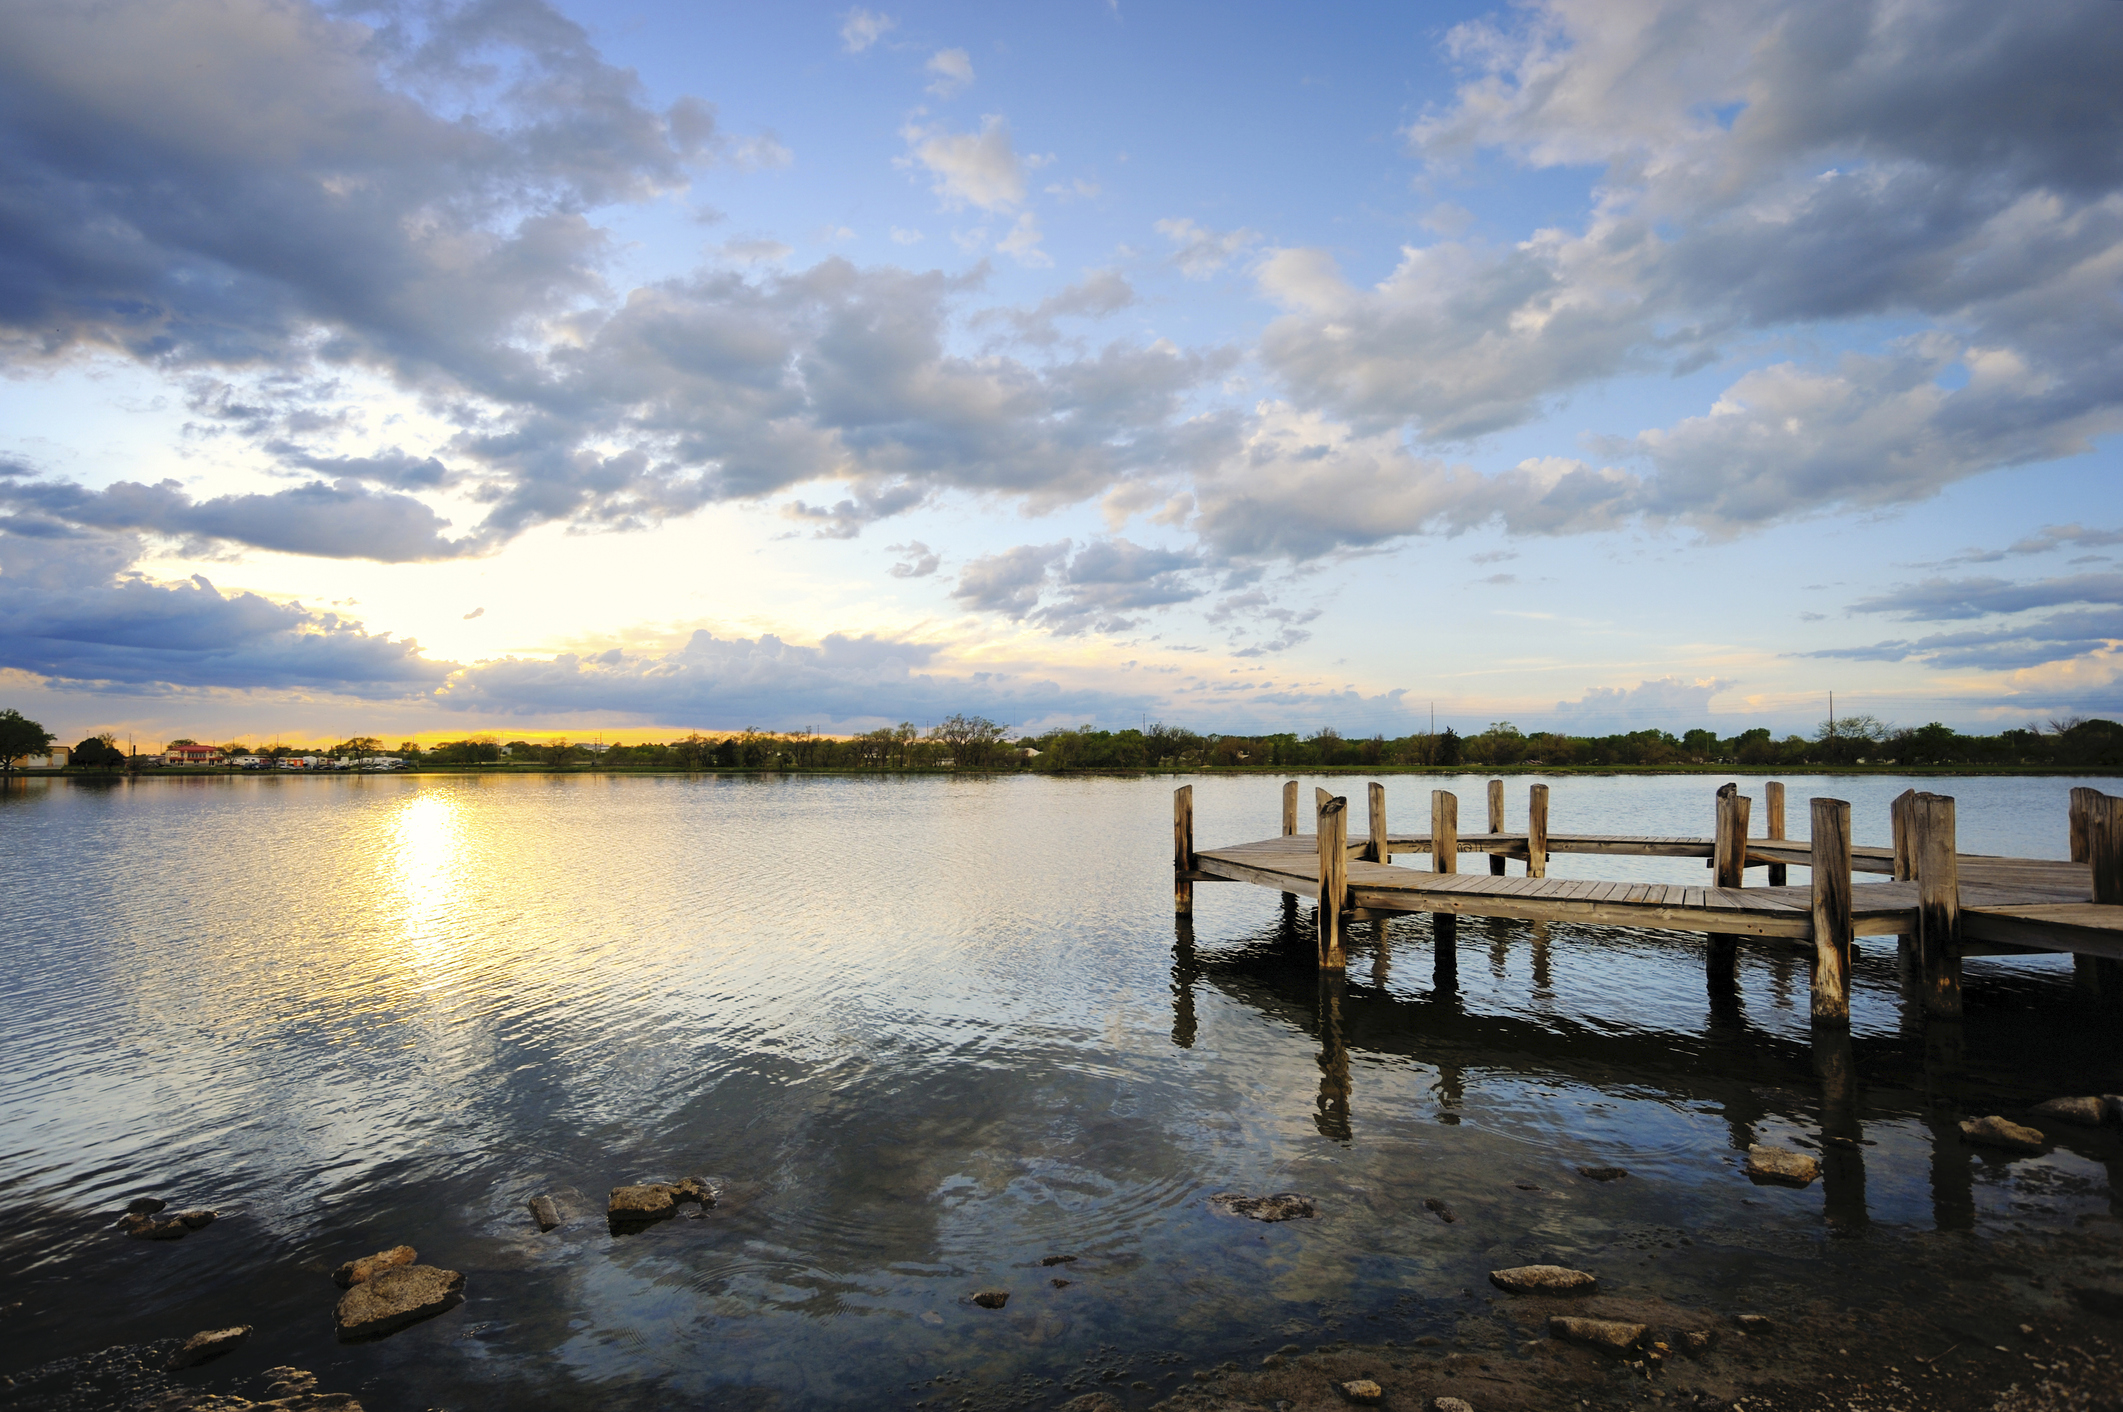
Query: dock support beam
[1445,858]
[1537,831]
[1290,809]
[1183,851]
[1901,819]
[2099,977]
[1830,866]
[1496,824]
[1333,881]
[1378,852]
[1773,826]
[1938,904]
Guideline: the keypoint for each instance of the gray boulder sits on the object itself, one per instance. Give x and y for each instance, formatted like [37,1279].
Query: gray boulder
[2084,1112]
[544,1211]
[1543,1279]
[1994,1131]
[1781,1166]
[396,1298]
[207,1344]
[1606,1335]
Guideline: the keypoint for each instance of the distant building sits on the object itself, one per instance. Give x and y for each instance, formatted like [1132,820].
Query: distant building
[192,755]
[52,759]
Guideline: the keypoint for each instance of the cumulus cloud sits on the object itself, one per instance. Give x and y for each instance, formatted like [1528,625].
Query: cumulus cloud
[860,28]
[1091,591]
[953,69]
[920,561]
[2021,624]
[1009,582]
[1022,242]
[1199,252]
[978,169]
[1657,703]
[1097,295]
[871,502]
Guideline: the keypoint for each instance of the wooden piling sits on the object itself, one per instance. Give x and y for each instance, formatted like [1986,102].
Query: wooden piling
[1319,798]
[1938,904]
[1537,831]
[1183,850]
[1901,823]
[1333,829]
[1830,866]
[1290,809]
[1379,851]
[1444,831]
[1729,845]
[1773,826]
[2097,841]
[2082,800]
[1496,824]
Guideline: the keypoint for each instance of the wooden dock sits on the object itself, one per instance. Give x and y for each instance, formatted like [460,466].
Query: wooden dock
[1941,903]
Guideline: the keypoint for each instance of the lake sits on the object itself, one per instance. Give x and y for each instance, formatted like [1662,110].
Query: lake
[922,1033]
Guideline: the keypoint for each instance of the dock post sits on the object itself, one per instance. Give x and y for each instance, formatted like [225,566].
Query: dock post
[1379,852]
[1496,824]
[2078,821]
[1183,851]
[1830,866]
[1773,826]
[1333,881]
[1729,850]
[1902,821]
[1445,858]
[1938,903]
[1537,831]
[2101,821]
[1290,809]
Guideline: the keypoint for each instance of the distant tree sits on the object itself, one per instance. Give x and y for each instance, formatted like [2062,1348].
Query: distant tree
[98,753]
[180,740]
[1448,746]
[19,735]
[972,740]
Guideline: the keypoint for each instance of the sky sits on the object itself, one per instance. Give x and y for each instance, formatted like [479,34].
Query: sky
[517,368]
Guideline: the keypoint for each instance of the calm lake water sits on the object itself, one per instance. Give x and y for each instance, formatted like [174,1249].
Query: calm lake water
[921,1033]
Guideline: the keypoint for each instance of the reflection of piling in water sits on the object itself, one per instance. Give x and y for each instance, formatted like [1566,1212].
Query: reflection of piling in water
[1543,989]
[1953,1201]
[1842,1157]
[1186,970]
[1499,929]
[1332,1117]
[1445,943]
[1381,951]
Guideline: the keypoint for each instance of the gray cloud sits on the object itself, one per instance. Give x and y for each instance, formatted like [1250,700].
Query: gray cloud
[920,561]
[1009,582]
[1659,702]
[2091,621]
[342,519]
[1940,599]
[71,610]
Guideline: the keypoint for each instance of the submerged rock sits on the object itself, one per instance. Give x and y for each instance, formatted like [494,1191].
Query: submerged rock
[1090,1402]
[2112,1108]
[1781,1166]
[1994,1131]
[355,1272]
[1543,1279]
[1440,1210]
[2098,1299]
[154,1227]
[396,1298]
[198,1219]
[1753,1323]
[544,1211]
[145,1206]
[695,1190]
[1057,1259]
[1362,1391]
[1450,1404]
[991,1298]
[2087,1112]
[1607,1335]
[1604,1174]
[1282,1206]
[207,1344]
[1699,1341]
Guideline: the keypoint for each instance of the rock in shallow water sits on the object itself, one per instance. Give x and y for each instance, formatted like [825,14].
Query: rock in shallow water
[1994,1131]
[1543,1279]
[1362,1391]
[544,1211]
[2085,1112]
[396,1298]
[649,1202]
[1607,1335]
[1781,1166]
[207,1344]
[145,1206]
[355,1272]
[154,1227]
[1450,1404]
[991,1298]
[1282,1206]
[1603,1174]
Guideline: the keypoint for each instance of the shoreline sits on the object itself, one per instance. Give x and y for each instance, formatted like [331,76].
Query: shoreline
[1174,771]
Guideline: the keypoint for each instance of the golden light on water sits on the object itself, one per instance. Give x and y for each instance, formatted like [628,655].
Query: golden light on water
[427,863]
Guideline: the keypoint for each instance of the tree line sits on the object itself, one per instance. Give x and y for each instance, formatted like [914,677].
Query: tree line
[977,743]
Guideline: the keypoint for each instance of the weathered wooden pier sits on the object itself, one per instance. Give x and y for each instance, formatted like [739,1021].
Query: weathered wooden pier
[1942,904]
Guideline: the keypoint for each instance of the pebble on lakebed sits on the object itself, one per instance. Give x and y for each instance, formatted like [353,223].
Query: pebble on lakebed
[1607,1335]
[1994,1131]
[1543,1279]
[1282,1206]
[395,1299]
[1362,1391]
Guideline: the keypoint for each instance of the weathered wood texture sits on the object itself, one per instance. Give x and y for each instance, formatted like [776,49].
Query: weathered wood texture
[1938,903]
[1773,825]
[1332,833]
[1729,856]
[1496,823]
[1832,923]
[1290,809]
[1444,831]
[1380,849]
[1537,831]
[1183,850]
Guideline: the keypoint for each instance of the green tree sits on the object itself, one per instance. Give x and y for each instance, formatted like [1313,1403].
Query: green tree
[19,735]
[98,752]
